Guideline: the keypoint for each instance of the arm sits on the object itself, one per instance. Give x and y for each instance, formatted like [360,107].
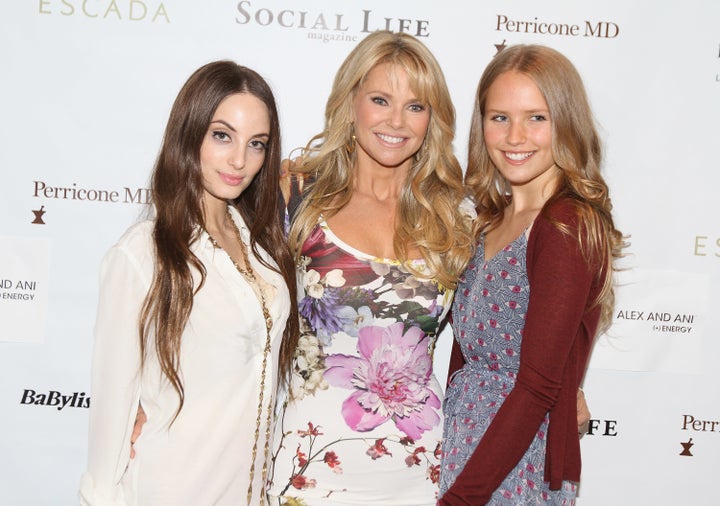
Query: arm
[560,286]
[140,419]
[456,359]
[115,378]
[285,180]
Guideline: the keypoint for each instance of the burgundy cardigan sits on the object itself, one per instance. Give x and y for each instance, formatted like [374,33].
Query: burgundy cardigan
[560,326]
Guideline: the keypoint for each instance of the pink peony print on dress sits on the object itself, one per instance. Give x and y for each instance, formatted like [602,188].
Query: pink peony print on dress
[389,380]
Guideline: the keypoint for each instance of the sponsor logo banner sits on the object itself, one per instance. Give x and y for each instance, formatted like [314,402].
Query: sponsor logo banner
[658,325]
[24,267]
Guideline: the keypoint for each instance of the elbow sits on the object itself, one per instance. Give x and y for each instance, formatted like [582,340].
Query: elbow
[539,388]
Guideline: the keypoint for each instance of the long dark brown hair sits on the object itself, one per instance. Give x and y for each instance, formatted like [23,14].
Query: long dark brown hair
[177,191]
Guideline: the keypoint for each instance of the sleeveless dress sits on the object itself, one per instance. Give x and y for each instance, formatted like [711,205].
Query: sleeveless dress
[362,423]
[488,320]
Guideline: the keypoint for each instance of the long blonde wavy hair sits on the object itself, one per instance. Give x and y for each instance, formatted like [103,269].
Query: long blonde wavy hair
[429,218]
[577,151]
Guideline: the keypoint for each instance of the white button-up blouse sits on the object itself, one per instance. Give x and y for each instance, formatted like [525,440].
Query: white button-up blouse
[204,457]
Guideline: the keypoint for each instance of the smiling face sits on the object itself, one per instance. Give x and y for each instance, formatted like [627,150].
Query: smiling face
[518,132]
[233,149]
[390,122]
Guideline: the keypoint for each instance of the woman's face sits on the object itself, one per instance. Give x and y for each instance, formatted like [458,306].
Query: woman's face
[390,122]
[517,129]
[233,149]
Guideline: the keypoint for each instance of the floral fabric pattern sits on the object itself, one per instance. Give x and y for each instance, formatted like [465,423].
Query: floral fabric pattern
[488,320]
[362,422]
[389,381]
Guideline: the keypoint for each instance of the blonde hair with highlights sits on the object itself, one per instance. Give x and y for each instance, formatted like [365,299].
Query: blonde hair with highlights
[577,151]
[429,218]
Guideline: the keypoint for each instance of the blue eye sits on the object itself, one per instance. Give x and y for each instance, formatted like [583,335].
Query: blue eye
[417,108]
[379,100]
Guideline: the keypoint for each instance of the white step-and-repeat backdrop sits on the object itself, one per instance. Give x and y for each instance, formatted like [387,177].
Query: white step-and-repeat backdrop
[85,90]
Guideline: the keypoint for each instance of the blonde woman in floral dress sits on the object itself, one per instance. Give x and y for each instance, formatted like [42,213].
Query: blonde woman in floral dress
[380,243]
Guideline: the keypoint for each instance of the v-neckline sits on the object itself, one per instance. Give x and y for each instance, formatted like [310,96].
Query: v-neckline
[353,251]
[486,260]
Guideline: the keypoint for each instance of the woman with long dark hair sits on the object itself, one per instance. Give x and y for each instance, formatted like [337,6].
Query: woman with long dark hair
[196,319]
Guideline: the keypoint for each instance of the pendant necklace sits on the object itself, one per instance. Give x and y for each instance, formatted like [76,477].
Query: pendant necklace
[249,275]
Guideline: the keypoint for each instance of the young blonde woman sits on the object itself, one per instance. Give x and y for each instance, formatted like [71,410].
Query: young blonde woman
[540,286]
[196,318]
[380,242]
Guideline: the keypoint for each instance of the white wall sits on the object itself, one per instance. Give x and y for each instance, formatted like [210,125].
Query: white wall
[85,90]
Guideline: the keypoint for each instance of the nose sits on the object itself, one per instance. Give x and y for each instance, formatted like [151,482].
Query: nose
[516,133]
[236,157]
[397,117]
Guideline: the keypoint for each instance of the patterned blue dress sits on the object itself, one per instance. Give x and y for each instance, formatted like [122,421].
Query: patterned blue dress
[488,320]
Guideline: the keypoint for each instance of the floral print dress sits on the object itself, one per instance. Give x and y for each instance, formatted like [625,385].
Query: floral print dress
[488,320]
[362,423]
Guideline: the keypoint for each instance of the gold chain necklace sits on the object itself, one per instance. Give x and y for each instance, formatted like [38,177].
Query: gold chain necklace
[250,277]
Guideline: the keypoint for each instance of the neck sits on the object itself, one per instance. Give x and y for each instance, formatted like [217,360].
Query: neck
[533,195]
[215,216]
[381,183]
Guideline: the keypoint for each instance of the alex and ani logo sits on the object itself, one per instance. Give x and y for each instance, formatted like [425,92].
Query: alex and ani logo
[119,10]
[326,26]
[19,289]
[674,323]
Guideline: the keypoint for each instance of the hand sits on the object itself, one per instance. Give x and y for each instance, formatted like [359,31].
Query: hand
[285,179]
[140,419]
[583,412]
[287,167]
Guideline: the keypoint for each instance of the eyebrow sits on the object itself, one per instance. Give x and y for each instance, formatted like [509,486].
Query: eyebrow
[223,122]
[414,99]
[230,127]
[530,111]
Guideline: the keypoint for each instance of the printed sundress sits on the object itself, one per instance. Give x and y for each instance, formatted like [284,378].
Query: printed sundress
[363,422]
[488,320]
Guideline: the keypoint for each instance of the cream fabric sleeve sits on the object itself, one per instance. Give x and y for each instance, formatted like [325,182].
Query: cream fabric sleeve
[125,275]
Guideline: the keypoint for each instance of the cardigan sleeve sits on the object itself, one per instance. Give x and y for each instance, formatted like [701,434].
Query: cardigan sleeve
[115,382]
[560,285]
